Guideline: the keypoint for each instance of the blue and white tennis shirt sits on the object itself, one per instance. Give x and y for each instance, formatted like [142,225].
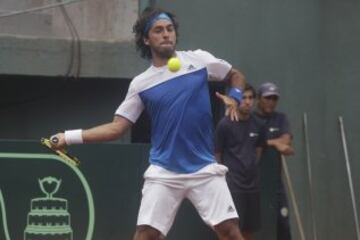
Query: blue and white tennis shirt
[179,108]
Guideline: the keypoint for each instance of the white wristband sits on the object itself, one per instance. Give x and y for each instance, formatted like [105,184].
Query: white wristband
[73,137]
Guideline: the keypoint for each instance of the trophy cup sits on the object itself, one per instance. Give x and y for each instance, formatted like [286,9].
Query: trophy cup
[48,218]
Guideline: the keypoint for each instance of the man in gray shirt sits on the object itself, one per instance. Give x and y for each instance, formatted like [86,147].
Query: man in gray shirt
[278,138]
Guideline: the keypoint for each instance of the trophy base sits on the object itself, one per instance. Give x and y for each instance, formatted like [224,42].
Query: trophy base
[32,236]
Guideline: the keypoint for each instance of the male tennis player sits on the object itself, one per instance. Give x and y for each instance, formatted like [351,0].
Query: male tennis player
[182,163]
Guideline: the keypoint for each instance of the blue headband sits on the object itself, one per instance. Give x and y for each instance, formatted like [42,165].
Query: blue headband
[150,23]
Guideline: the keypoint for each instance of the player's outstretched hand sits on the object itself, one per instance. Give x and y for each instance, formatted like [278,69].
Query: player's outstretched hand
[231,106]
[58,141]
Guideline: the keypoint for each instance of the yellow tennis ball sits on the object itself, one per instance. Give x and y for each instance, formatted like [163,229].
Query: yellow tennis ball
[174,64]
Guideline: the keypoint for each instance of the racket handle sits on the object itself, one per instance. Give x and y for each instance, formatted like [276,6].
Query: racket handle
[54,139]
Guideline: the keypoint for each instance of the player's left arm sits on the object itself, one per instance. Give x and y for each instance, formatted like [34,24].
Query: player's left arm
[219,70]
[236,80]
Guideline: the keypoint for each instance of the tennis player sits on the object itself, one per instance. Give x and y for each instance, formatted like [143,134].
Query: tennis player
[182,163]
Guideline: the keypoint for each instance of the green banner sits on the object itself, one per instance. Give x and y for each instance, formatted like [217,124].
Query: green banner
[43,197]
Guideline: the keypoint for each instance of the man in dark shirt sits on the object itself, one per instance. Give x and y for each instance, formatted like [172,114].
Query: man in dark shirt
[278,138]
[238,145]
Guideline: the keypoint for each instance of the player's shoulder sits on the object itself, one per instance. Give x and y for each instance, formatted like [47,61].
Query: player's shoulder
[198,53]
[197,58]
[143,78]
[145,74]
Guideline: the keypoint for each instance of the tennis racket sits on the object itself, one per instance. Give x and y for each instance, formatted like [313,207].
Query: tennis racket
[61,153]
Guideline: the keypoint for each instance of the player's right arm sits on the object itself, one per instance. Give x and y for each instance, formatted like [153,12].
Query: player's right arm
[126,114]
[102,133]
[107,132]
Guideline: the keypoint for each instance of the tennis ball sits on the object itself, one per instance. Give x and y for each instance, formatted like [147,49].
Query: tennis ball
[174,64]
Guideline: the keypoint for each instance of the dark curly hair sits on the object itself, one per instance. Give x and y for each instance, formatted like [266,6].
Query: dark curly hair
[140,25]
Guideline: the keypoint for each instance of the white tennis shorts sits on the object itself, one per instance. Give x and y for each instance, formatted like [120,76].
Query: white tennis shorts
[163,192]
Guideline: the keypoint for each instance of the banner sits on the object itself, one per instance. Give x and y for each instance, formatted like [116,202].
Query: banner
[43,197]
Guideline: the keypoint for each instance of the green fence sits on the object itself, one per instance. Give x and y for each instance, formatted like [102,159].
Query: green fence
[102,194]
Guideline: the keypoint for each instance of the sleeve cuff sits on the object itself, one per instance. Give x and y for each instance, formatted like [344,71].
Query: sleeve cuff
[236,94]
[73,137]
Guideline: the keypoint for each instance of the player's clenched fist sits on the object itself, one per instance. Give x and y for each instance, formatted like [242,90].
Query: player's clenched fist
[58,141]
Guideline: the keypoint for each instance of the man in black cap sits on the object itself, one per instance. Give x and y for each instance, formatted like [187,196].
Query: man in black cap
[279,139]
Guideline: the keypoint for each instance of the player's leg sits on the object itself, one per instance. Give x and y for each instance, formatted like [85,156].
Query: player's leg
[158,208]
[228,230]
[146,232]
[212,199]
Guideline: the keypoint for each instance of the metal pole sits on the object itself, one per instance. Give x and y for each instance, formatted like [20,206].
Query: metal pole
[348,168]
[308,158]
[292,197]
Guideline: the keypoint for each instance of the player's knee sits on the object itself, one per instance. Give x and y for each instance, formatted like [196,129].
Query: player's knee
[146,232]
[228,229]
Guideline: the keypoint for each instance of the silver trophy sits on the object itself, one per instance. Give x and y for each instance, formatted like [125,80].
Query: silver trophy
[48,218]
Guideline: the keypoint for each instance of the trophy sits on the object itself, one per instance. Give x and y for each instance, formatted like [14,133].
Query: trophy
[48,218]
